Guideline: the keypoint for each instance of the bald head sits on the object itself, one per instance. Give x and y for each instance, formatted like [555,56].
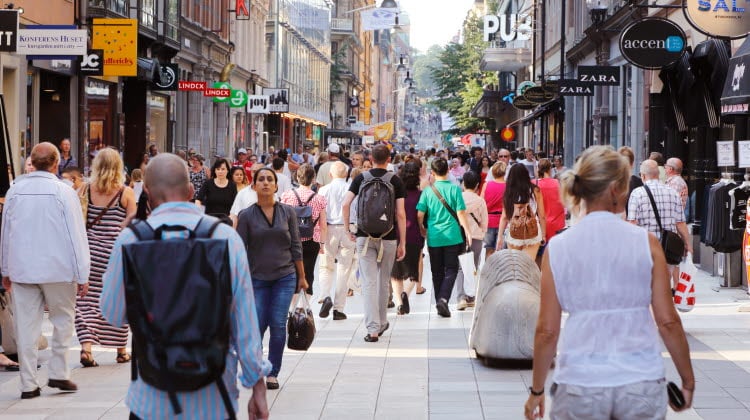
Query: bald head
[339,170]
[45,157]
[674,164]
[649,169]
[167,179]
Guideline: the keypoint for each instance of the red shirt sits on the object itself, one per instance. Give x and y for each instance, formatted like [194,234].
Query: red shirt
[553,208]
[493,196]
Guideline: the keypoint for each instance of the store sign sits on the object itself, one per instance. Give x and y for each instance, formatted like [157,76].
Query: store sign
[257,104]
[599,75]
[719,18]
[220,91]
[167,78]
[241,10]
[8,30]
[521,89]
[572,87]
[52,41]
[92,63]
[520,102]
[119,40]
[511,27]
[652,43]
[278,99]
[238,98]
[188,85]
[538,95]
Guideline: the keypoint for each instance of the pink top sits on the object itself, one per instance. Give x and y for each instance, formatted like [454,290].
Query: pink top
[553,207]
[318,204]
[493,196]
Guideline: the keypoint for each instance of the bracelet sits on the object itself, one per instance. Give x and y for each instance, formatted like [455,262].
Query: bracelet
[536,393]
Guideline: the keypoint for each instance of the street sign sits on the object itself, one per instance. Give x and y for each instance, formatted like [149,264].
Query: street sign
[358,126]
[222,90]
[352,119]
[238,98]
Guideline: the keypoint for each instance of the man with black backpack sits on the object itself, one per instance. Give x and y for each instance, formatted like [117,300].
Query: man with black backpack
[381,220]
[182,282]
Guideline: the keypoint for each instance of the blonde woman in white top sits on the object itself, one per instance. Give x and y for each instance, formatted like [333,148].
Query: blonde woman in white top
[611,277]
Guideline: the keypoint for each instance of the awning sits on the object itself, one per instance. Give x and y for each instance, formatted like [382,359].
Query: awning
[541,111]
[735,98]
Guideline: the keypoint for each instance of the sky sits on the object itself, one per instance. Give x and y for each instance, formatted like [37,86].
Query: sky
[434,21]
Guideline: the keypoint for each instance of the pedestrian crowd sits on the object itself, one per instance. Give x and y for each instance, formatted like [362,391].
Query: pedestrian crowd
[364,217]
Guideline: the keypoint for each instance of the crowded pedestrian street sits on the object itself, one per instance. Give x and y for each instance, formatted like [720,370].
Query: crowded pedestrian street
[423,369]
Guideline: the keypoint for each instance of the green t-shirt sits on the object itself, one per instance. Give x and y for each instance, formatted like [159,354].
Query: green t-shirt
[442,228]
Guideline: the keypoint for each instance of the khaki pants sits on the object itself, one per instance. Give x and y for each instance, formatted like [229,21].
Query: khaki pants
[376,280]
[639,401]
[28,309]
[338,255]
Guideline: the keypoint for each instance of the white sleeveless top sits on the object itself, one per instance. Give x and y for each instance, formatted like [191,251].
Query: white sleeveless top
[602,274]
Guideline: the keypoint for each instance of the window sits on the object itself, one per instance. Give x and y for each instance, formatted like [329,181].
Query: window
[172,20]
[148,13]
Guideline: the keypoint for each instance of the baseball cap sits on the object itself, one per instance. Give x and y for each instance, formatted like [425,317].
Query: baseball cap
[242,150]
[333,148]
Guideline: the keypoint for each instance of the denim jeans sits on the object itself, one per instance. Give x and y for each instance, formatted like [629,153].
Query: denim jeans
[444,267]
[272,300]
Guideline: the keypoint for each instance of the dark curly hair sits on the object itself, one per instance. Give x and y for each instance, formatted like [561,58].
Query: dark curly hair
[409,174]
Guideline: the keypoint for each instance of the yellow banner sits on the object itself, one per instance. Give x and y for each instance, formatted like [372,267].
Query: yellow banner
[383,131]
[119,40]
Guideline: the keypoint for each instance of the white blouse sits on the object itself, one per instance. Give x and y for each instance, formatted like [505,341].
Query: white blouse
[602,275]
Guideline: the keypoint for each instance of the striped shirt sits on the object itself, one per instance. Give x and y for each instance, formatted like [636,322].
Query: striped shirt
[144,400]
[667,201]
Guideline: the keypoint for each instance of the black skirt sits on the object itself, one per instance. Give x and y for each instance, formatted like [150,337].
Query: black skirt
[408,268]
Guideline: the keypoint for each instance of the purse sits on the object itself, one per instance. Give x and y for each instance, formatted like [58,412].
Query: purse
[452,212]
[671,242]
[300,325]
[523,224]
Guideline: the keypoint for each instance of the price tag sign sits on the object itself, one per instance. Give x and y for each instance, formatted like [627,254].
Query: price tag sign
[744,153]
[724,153]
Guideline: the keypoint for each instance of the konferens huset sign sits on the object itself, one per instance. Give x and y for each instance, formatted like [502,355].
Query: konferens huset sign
[652,43]
[719,18]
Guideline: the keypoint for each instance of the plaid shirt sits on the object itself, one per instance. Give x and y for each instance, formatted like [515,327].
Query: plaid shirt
[667,201]
[678,184]
[318,204]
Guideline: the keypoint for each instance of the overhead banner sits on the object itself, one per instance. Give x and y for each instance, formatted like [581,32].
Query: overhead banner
[382,131]
[599,75]
[257,104]
[8,30]
[378,18]
[119,40]
[52,41]
[652,43]
[718,19]
[278,99]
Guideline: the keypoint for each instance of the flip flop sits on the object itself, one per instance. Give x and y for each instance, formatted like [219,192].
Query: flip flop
[421,291]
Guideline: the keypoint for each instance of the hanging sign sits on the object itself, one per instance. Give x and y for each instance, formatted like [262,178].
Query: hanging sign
[572,87]
[744,153]
[599,75]
[538,95]
[119,40]
[8,30]
[92,63]
[189,85]
[523,86]
[652,43]
[725,153]
[277,99]
[507,134]
[520,102]
[167,77]
[220,91]
[257,104]
[551,86]
[238,98]
[719,18]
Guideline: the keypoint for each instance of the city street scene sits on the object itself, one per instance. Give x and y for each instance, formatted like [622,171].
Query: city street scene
[374,209]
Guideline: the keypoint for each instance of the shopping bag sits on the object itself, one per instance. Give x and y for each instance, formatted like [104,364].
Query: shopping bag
[466,262]
[301,324]
[684,294]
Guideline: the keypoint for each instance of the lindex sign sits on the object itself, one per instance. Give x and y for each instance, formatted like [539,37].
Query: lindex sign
[223,86]
[652,43]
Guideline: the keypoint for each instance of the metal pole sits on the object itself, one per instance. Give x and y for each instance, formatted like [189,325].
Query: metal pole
[563,30]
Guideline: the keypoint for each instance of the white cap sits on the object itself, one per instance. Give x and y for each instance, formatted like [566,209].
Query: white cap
[242,150]
[334,148]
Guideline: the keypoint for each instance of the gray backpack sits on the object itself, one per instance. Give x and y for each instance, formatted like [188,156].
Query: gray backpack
[376,205]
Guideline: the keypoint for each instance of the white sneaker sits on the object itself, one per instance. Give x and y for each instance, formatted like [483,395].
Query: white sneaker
[462,304]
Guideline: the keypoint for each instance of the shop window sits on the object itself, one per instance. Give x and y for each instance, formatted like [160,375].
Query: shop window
[158,106]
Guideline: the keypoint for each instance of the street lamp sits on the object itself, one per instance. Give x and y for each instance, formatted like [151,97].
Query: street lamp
[598,10]
[401,67]
[408,79]
[389,4]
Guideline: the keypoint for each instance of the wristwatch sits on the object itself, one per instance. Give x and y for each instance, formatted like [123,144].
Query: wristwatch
[536,393]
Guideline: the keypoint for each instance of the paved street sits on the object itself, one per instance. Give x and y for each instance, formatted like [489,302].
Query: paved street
[421,369]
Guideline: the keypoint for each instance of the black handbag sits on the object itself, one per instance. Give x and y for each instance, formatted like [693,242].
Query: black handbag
[301,325]
[671,242]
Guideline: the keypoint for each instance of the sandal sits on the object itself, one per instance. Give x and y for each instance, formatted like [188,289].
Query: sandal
[87,360]
[123,358]
[421,290]
[371,339]
[272,382]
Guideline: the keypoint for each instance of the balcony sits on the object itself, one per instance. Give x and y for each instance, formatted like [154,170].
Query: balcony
[342,26]
[506,56]
[108,8]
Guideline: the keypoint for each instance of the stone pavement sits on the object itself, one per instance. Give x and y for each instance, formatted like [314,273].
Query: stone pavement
[420,369]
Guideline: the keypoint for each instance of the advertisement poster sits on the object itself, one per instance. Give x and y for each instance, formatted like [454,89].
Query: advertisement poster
[118,38]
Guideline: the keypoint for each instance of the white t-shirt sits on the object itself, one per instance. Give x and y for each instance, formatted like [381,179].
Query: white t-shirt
[244,199]
[285,184]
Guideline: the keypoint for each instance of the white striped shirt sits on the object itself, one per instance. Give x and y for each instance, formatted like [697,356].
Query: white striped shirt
[144,400]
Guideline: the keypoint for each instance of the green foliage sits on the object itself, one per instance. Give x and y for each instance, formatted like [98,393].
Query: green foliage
[338,67]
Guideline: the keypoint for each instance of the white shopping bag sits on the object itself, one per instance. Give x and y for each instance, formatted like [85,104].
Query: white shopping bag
[684,294]
[466,261]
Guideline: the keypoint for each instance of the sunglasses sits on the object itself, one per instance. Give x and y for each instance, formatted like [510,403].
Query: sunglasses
[504,156]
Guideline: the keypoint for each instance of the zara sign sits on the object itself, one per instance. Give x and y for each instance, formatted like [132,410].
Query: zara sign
[511,27]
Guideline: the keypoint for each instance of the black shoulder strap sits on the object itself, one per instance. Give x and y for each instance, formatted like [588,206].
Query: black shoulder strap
[142,230]
[653,205]
[309,199]
[299,200]
[445,203]
[206,227]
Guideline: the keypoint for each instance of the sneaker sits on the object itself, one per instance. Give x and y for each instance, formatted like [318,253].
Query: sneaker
[326,308]
[462,304]
[338,316]
[405,302]
[442,308]
[470,301]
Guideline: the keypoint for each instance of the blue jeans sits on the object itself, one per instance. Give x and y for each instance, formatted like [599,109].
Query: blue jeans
[272,300]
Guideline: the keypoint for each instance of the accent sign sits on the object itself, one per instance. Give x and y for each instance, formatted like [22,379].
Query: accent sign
[599,75]
[652,43]
[719,18]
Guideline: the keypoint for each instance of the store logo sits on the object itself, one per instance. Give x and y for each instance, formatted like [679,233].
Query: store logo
[739,73]
[510,27]
[599,75]
[719,18]
[92,63]
[8,30]
[705,6]
[167,77]
[572,87]
[652,43]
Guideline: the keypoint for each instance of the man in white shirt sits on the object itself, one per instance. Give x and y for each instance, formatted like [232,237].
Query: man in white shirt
[244,199]
[530,163]
[283,182]
[339,248]
[50,271]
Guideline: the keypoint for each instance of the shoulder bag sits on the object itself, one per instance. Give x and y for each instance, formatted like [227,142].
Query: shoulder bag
[671,243]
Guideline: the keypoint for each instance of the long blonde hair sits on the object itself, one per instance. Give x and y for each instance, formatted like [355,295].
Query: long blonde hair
[107,171]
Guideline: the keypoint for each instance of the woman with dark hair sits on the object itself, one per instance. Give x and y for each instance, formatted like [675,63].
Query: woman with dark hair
[485,170]
[408,268]
[198,173]
[305,196]
[521,196]
[553,207]
[274,251]
[239,177]
[217,193]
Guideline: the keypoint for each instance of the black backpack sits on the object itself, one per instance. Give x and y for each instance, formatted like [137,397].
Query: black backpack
[305,219]
[376,205]
[179,296]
